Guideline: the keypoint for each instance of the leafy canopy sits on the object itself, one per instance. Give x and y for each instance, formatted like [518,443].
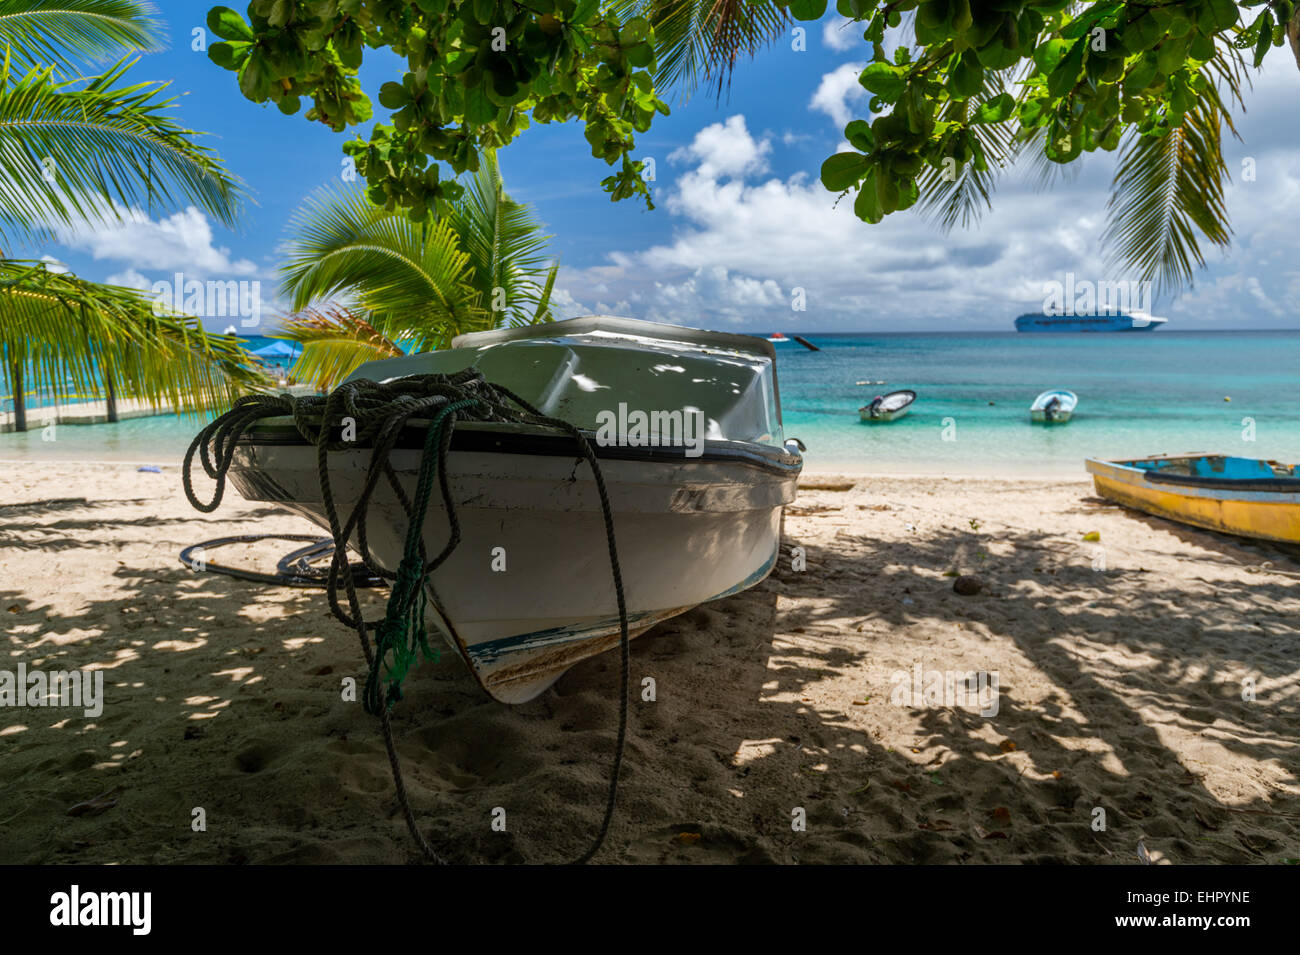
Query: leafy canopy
[989,79]
[478,73]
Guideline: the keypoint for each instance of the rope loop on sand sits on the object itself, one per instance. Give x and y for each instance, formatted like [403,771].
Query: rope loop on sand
[360,413]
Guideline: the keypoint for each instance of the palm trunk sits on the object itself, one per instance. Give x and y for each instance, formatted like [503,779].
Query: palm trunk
[20,401]
[111,400]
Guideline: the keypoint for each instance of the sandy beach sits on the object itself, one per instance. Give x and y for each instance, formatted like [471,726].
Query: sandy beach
[1120,666]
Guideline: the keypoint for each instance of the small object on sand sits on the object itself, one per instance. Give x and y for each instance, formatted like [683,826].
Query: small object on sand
[150,468]
[1092,537]
[1143,854]
[686,838]
[968,585]
[908,601]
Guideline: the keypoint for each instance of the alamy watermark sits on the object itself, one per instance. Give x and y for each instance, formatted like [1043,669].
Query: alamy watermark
[79,689]
[952,689]
[653,429]
[211,299]
[1077,296]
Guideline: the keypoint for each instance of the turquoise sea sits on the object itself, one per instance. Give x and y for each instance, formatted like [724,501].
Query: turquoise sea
[1139,394]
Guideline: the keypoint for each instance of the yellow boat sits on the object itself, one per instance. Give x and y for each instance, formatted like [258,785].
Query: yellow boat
[1244,496]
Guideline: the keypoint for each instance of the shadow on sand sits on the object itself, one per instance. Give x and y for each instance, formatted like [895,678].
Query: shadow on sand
[226,697]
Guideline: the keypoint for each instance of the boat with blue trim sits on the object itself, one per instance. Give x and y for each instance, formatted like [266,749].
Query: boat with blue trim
[1132,322]
[1245,496]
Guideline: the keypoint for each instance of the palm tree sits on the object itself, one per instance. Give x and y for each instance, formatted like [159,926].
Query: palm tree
[363,279]
[60,333]
[78,150]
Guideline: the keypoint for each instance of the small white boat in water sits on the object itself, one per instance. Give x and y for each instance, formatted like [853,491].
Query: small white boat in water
[1054,407]
[888,407]
[686,425]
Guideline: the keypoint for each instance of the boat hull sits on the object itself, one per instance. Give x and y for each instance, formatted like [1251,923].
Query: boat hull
[528,592]
[1040,417]
[1263,514]
[866,416]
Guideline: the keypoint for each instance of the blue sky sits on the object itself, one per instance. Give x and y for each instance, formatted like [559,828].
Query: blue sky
[742,231]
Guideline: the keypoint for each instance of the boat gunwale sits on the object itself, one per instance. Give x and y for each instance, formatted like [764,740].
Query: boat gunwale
[498,438]
[1193,483]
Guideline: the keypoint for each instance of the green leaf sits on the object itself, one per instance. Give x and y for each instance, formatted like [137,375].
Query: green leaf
[807,9]
[859,135]
[479,108]
[842,170]
[636,30]
[1062,79]
[867,206]
[229,25]
[229,54]
[996,110]
[393,96]
[883,80]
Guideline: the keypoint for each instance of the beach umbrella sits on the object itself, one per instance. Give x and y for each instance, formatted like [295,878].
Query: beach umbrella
[279,349]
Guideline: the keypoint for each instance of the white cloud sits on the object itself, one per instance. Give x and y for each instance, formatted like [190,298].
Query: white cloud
[744,240]
[838,89]
[842,34]
[182,242]
[130,279]
[724,149]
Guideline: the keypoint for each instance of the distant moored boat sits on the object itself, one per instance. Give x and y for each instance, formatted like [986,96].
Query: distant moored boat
[1054,407]
[887,407]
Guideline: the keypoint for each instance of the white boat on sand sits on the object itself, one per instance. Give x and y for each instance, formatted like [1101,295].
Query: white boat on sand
[686,425]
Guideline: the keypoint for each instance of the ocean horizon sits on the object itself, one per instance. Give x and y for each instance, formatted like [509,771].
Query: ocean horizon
[1139,394]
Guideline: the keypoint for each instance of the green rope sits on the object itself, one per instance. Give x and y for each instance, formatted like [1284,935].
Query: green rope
[402,633]
[379,412]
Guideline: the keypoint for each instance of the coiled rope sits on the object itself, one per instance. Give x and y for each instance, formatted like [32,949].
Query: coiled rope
[367,412]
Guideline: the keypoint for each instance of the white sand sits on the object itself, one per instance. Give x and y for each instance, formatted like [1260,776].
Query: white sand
[1120,687]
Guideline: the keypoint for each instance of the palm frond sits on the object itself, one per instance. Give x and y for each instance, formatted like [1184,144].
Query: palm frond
[947,200]
[699,42]
[64,335]
[410,278]
[1167,190]
[65,33]
[336,342]
[543,312]
[72,151]
[504,242]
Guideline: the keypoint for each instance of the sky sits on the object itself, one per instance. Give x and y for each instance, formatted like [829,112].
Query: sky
[743,236]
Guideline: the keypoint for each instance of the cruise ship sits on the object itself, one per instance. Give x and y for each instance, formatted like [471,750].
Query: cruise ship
[1136,322]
